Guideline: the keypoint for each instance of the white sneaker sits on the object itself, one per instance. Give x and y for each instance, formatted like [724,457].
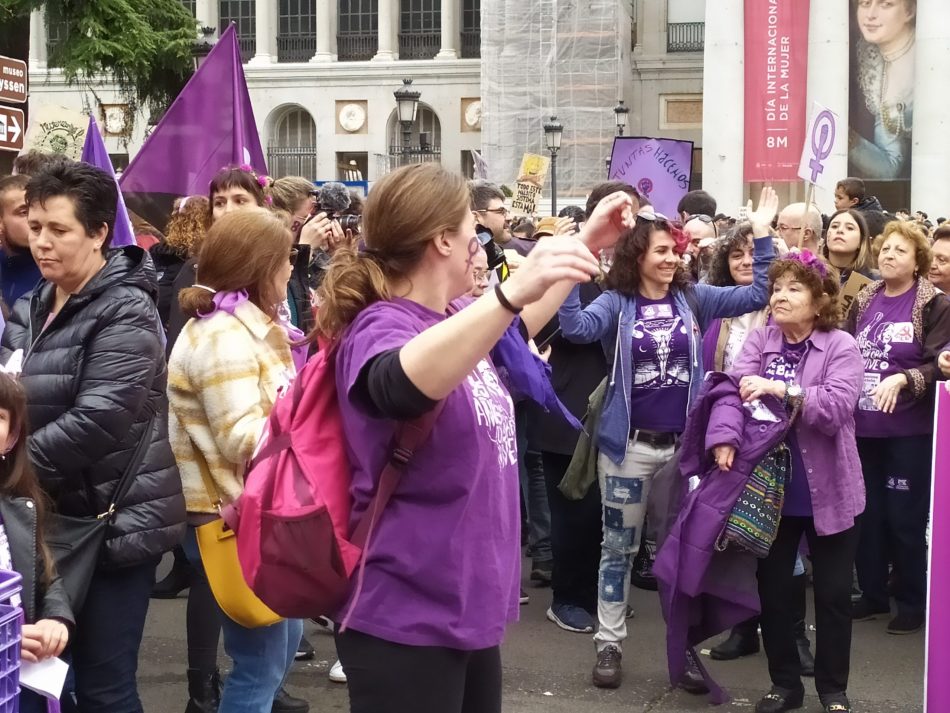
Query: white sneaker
[336,673]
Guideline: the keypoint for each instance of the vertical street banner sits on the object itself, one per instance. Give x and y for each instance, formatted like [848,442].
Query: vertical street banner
[937,661]
[659,169]
[776,74]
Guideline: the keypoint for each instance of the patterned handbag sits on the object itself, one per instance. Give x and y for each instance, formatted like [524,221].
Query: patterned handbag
[753,523]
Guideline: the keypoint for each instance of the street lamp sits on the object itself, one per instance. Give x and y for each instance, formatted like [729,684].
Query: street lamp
[407,103]
[202,46]
[621,112]
[552,134]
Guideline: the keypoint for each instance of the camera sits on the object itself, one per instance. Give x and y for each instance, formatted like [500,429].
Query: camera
[350,222]
[496,256]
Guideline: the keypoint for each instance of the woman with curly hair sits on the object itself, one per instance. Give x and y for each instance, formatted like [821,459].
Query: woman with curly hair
[649,320]
[186,228]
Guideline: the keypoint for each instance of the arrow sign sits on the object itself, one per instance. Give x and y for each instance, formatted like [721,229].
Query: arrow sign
[11,129]
[13,80]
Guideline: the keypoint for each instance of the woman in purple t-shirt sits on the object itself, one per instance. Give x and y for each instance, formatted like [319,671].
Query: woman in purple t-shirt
[901,323]
[806,361]
[442,569]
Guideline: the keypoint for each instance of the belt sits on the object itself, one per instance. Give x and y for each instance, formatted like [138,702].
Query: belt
[654,438]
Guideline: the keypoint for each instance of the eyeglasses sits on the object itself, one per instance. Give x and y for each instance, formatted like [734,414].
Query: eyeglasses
[497,211]
[294,252]
[480,275]
[783,227]
[703,218]
[651,215]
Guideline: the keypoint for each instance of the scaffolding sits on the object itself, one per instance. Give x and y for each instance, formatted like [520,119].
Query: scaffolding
[542,58]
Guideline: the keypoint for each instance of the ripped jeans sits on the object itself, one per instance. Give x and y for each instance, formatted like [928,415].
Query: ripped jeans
[624,491]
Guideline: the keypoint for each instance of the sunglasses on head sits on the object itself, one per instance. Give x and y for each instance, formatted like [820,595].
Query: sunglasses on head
[708,220]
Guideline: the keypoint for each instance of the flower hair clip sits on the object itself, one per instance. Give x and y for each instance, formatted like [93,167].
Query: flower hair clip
[809,260]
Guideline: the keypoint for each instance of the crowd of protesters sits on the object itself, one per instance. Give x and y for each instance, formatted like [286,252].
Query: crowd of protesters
[696,348]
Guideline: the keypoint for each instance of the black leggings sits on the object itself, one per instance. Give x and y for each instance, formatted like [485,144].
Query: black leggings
[384,677]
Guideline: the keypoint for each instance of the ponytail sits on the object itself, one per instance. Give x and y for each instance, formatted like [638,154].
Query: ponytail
[353,281]
[195,301]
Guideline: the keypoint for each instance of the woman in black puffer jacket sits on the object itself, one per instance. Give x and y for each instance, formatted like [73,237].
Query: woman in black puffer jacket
[94,374]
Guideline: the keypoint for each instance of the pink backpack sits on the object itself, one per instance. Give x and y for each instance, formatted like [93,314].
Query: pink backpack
[292,520]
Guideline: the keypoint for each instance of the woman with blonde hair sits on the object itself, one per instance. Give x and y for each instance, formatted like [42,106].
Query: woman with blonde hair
[901,323]
[225,372]
[442,570]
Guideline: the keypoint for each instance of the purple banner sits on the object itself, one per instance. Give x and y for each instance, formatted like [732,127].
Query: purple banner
[937,686]
[660,169]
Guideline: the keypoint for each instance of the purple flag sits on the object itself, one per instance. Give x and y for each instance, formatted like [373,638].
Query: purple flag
[660,169]
[94,153]
[937,683]
[210,125]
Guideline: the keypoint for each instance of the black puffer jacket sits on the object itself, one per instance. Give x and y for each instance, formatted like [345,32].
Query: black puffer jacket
[94,378]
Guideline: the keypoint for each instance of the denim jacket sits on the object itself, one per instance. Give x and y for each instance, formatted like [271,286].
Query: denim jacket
[614,313]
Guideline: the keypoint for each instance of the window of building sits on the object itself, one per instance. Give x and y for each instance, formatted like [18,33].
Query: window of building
[420,29]
[357,30]
[685,25]
[190,6]
[292,149]
[241,13]
[296,30]
[425,141]
[471,28]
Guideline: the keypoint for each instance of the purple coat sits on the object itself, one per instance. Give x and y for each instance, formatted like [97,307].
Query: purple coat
[704,592]
[831,375]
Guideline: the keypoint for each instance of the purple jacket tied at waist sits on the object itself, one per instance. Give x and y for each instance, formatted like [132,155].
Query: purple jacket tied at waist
[703,591]
[831,375]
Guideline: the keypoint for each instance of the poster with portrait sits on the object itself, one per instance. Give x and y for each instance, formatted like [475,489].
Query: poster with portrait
[883,38]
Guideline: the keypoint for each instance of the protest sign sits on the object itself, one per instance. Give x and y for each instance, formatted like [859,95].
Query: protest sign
[851,289]
[531,177]
[659,169]
[937,656]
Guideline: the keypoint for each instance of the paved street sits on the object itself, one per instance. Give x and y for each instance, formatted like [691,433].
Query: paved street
[548,670]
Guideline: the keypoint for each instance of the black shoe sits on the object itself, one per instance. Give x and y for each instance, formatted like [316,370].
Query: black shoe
[523,597]
[204,691]
[863,610]
[607,671]
[692,681]
[305,650]
[905,623]
[286,703]
[837,703]
[642,575]
[175,582]
[781,699]
[541,571]
[742,641]
[804,650]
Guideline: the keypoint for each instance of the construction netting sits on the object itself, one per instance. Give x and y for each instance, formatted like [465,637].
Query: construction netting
[553,57]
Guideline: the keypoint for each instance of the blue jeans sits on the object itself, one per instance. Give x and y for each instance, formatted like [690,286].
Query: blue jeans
[262,657]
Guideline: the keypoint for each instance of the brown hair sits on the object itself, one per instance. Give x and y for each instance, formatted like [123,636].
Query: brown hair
[187,225]
[243,251]
[864,258]
[403,212]
[913,234]
[17,478]
[737,238]
[288,191]
[235,177]
[942,232]
[826,291]
[624,275]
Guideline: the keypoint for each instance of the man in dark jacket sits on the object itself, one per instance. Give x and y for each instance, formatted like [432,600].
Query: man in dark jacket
[94,375]
[18,271]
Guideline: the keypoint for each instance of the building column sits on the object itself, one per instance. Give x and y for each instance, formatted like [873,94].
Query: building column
[388,23]
[828,77]
[206,13]
[265,17]
[450,30]
[326,29]
[929,182]
[724,129]
[38,50]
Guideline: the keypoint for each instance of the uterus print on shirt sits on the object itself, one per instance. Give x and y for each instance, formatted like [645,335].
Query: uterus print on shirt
[658,365]
[494,412]
[877,342]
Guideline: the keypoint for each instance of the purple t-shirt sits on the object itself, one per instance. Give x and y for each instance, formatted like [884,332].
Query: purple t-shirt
[885,336]
[797,494]
[444,565]
[660,350]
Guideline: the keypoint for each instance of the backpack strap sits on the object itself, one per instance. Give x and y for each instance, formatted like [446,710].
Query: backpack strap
[409,437]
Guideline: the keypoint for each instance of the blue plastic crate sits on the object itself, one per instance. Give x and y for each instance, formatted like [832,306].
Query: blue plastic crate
[11,629]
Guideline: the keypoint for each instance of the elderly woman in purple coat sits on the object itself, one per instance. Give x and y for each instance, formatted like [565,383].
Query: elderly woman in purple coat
[805,361]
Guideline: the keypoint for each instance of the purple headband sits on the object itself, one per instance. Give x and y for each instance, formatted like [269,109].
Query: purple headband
[809,260]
